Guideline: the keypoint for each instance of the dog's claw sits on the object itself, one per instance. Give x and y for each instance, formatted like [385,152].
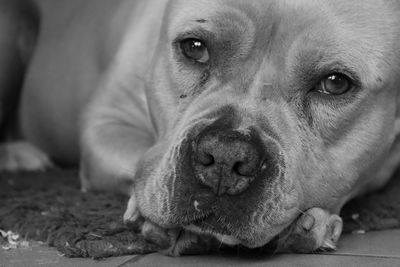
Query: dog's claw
[315,230]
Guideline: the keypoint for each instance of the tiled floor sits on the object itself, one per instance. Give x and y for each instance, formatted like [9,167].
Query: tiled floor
[372,249]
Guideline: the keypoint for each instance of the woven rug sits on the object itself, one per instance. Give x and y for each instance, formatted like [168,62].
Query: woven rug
[48,207]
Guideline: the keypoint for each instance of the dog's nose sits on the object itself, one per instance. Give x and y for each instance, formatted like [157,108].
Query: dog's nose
[226,161]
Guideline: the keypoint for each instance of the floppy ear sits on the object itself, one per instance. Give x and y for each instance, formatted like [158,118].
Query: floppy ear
[392,162]
[397,71]
[397,84]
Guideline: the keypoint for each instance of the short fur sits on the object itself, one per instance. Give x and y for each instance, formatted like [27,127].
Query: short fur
[107,86]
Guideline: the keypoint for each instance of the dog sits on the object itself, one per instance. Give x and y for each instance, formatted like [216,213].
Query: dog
[231,122]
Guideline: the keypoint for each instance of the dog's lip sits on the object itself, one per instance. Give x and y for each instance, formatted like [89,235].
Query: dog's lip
[209,225]
[224,236]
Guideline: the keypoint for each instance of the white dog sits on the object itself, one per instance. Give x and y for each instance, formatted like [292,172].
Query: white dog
[239,120]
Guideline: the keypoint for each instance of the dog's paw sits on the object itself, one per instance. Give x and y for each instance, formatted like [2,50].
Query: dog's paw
[177,242]
[188,243]
[172,242]
[22,156]
[315,230]
[157,235]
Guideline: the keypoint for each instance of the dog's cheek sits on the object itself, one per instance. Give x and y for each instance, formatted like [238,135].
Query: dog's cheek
[344,144]
[317,176]
[278,206]
[306,167]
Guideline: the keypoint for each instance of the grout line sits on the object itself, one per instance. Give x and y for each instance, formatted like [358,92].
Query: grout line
[361,255]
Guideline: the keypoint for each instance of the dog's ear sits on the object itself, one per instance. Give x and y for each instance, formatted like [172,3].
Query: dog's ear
[393,159]
[397,94]
[397,120]
[397,71]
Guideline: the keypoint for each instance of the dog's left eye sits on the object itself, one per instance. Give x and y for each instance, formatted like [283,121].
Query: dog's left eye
[335,84]
[195,49]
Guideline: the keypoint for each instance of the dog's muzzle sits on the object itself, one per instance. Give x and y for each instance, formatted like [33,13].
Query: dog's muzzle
[224,176]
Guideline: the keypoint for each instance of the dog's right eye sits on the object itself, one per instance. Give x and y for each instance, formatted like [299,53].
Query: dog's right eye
[335,84]
[195,49]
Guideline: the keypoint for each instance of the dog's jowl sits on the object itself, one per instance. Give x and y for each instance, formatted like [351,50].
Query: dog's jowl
[236,122]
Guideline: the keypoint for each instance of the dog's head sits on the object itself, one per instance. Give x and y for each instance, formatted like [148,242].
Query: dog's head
[264,109]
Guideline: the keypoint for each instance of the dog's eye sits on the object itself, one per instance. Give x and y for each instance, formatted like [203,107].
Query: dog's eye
[195,49]
[335,84]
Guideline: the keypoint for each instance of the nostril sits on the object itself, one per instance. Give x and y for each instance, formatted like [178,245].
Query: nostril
[243,169]
[205,159]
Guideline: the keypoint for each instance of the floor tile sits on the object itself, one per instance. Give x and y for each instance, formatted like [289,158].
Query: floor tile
[372,249]
[275,261]
[381,243]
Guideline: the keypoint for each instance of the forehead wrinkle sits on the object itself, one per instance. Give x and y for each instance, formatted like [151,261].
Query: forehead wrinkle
[356,33]
[329,44]
[214,16]
[185,14]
